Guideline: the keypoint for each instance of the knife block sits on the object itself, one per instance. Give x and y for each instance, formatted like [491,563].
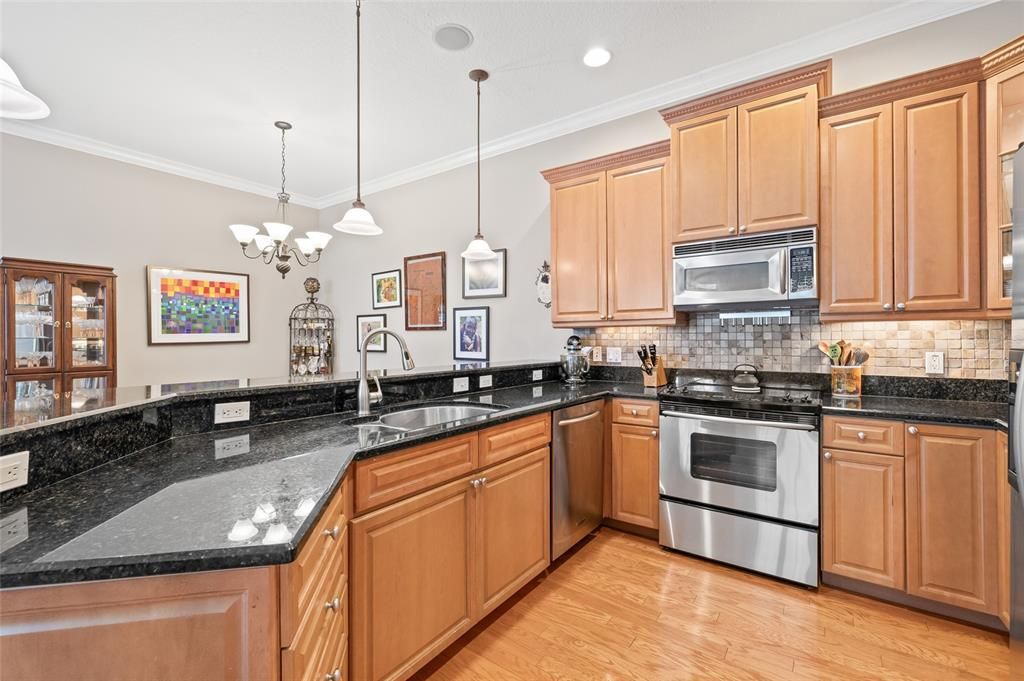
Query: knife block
[657,379]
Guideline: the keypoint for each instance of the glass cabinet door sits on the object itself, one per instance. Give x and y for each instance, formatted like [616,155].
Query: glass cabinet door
[31,399]
[33,299]
[87,391]
[87,324]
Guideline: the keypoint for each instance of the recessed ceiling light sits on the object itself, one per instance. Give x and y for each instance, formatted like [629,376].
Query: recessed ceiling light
[597,56]
[453,37]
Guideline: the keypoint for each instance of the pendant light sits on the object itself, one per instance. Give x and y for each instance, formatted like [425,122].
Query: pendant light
[358,220]
[478,248]
[15,100]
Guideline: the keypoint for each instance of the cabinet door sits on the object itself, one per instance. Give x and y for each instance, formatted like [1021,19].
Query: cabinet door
[33,321]
[579,250]
[639,262]
[635,475]
[935,201]
[88,322]
[856,212]
[862,522]
[1004,132]
[1003,524]
[411,568]
[778,161]
[514,526]
[704,177]
[952,508]
[33,398]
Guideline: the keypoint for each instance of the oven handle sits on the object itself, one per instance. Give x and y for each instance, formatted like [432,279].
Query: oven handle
[742,422]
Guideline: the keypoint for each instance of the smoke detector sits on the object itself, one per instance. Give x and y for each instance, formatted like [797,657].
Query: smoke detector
[453,37]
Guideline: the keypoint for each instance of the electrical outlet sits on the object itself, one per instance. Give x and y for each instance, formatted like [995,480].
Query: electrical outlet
[231,446]
[935,362]
[460,385]
[230,412]
[13,528]
[13,470]
[614,355]
[485,381]
[538,374]
[597,354]
[538,391]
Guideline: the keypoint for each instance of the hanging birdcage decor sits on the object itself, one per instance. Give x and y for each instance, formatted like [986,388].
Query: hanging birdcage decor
[311,330]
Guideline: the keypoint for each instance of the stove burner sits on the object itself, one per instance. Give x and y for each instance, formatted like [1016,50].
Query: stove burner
[781,396]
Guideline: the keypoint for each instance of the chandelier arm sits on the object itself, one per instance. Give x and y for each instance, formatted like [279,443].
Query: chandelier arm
[245,252]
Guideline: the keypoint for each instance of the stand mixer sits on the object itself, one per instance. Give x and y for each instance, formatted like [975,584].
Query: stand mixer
[575,361]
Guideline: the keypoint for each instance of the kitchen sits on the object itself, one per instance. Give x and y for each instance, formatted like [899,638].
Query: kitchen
[692,372]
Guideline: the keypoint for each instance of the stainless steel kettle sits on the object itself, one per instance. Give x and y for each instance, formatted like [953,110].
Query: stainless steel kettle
[575,361]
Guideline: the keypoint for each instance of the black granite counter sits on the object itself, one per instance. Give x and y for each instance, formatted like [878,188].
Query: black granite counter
[982,414]
[226,499]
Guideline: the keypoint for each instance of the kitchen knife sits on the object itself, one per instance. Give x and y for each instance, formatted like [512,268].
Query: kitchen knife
[654,356]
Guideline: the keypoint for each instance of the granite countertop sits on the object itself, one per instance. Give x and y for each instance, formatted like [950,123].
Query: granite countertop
[172,507]
[981,414]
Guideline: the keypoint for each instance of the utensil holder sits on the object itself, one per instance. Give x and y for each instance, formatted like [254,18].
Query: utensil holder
[657,379]
[846,381]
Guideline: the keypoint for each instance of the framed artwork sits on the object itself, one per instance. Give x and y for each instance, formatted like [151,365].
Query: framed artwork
[425,293]
[387,289]
[485,278]
[365,323]
[471,332]
[196,306]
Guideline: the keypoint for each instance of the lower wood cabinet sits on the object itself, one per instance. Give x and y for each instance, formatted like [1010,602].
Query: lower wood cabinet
[634,496]
[862,517]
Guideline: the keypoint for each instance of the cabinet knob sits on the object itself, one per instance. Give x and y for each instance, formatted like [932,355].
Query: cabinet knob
[912,430]
[861,435]
[654,433]
[633,412]
[743,228]
[333,532]
[901,306]
[67,325]
[731,230]
[828,456]
[887,307]
[333,676]
[333,604]
[476,483]
[483,480]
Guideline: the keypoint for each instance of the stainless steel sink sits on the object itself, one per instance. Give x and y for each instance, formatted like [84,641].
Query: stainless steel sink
[424,417]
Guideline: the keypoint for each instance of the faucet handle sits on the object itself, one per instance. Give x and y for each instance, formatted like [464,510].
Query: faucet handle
[377,396]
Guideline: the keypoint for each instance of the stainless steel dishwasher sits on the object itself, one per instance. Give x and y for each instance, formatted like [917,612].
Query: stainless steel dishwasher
[577,474]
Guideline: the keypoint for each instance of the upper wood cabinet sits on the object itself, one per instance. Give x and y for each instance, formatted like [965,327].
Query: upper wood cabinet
[703,165]
[937,240]
[610,254]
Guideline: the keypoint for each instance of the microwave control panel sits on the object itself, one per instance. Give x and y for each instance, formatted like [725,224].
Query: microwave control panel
[801,272]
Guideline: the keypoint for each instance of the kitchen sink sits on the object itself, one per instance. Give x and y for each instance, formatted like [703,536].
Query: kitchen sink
[424,417]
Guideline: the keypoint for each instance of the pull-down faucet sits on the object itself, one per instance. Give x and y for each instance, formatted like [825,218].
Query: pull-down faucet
[365,398]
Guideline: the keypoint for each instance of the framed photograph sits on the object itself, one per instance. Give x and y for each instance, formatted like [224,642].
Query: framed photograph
[425,293]
[471,331]
[387,289]
[196,306]
[365,323]
[485,278]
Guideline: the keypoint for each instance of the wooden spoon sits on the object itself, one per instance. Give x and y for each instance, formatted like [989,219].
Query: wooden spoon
[823,346]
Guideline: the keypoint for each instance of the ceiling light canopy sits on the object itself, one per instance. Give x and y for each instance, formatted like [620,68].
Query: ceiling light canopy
[597,56]
[478,248]
[453,37]
[16,101]
[357,219]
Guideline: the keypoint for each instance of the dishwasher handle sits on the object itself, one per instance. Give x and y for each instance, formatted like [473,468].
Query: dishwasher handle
[741,422]
[579,419]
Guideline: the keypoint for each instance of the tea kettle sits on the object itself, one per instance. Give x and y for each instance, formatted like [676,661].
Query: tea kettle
[575,361]
[745,380]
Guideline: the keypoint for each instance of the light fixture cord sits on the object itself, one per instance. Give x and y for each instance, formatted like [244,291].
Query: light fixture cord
[478,234]
[282,201]
[359,164]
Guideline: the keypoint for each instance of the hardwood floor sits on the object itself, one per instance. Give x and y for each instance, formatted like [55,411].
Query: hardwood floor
[622,608]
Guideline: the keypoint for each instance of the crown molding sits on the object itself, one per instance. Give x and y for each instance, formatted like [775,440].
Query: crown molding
[1004,57]
[41,133]
[647,152]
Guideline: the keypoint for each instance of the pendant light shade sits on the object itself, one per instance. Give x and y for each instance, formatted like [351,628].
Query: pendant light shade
[16,101]
[478,248]
[358,220]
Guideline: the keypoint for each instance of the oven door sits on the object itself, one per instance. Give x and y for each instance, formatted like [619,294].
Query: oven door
[740,277]
[767,469]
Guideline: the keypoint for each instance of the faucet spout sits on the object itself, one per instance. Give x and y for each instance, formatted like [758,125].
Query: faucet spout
[364,397]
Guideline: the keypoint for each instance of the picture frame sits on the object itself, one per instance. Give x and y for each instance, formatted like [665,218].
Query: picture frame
[386,289]
[186,306]
[366,323]
[486,278]
[425,292]
[471,333]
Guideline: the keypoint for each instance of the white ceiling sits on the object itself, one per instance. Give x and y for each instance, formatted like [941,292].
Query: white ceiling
[194,88]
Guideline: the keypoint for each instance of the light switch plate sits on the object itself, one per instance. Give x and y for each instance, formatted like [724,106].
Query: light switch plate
[230,412]
[13,470]
[614,355]
[485,381]
[538,374]
[597,354]
[231,446]
[935,362]
[460,385]
[538,391]
[487,399]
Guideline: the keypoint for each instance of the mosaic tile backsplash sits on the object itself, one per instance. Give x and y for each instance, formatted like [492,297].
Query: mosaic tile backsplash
[973,349]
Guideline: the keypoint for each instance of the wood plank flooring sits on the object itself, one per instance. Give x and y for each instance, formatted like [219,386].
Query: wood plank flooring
[620,607]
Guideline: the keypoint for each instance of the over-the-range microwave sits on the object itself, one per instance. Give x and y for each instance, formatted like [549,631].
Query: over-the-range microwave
[775,269]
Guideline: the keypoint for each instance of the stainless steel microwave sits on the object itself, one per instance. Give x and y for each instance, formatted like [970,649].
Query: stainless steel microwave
[776,268]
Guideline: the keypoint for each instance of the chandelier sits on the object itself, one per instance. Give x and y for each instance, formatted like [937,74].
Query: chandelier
[274,245]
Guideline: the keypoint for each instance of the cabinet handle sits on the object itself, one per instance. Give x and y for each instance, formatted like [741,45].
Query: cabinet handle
[901,306]
[912,430]
[67,325]
[887,307]
[861,435]
[828,456]
[333,532]
[333,676]
[333,604]
[56,323]
[654,434]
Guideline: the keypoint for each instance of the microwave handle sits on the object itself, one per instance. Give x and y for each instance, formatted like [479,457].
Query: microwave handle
[778,270]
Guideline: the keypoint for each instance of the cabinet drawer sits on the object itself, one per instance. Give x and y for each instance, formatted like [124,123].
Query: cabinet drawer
[635,412]
[325,546]
[394,476]
[864,435]
[318,638]
[503,442]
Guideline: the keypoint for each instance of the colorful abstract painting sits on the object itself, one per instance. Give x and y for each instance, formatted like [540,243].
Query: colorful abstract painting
[189,306]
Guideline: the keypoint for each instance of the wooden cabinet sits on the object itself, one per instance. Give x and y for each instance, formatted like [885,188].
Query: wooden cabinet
[952,516]
[634,497]
[778,161]
[877,436]
[609,240]
[856,261]
[190,627]
[936,229]
[862,517]
[703,166]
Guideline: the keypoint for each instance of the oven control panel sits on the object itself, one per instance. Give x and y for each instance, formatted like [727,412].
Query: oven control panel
[802,275]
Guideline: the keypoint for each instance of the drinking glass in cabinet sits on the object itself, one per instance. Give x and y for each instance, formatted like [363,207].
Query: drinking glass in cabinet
[34,332]
[33,400]
[88,323]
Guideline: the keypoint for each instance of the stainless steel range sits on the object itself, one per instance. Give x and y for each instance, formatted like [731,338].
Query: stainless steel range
[739,476]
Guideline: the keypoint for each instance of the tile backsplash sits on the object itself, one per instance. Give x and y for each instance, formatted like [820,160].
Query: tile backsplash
[973,349]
